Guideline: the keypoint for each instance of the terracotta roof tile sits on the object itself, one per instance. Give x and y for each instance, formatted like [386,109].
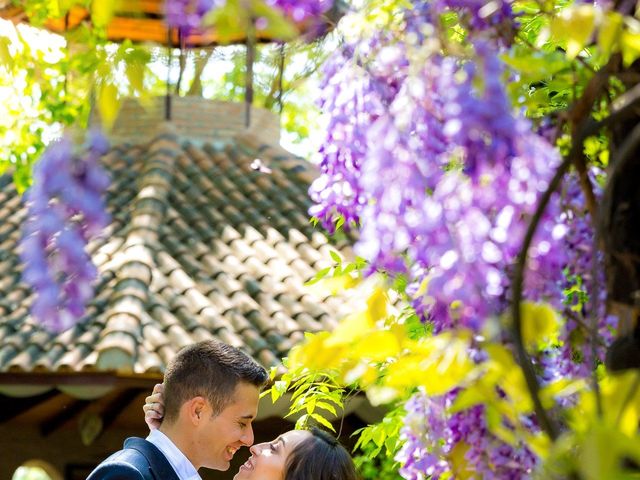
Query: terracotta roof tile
[204,243]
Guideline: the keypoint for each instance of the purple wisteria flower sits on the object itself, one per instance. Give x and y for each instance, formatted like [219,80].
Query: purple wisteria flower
[66,209]
[432,438]
[188,15]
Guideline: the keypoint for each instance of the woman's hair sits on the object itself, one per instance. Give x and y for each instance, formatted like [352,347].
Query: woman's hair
[320,457]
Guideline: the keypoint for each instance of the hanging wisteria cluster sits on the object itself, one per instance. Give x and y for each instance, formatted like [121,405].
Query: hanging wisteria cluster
[414,130]
[66,209]
[189,14]
[431,435]
[425,154]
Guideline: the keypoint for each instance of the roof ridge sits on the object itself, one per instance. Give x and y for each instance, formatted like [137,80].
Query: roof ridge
[117,347]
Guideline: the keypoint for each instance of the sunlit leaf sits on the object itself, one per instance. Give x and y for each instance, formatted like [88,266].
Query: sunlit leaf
[350,329]
[378,395]
[540,322]
[609,32]
[603,450]
[102,11]
[377,304]
[377,346]
[438,364]
[109,105]
[573,28]
[630,46]
[6,59]
[460,465]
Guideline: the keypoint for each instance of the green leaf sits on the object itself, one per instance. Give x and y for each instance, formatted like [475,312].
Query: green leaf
[318,276]
[326,406]
[322,421]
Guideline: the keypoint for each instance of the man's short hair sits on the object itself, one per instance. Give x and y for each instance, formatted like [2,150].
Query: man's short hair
[210,369]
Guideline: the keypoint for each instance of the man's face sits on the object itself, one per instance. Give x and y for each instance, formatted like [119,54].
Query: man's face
[219,437]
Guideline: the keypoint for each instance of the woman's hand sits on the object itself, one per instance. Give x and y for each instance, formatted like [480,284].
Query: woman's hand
[154,407]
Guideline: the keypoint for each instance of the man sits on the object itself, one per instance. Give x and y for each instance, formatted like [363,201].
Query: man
[211,393]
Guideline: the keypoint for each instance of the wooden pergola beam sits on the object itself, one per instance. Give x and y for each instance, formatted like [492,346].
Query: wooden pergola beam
[75,408]
[80,379]
[117,405]
[11,409]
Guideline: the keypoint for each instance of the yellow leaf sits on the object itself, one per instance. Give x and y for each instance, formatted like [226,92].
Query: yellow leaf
[468,398]
[460,466]
[603,450]
[377,346]
[102,11]
[377,304]
[6,59]
[630,46]
[563,387]
[539,323]
[109,105]
[508,374]
[351,329]
[438,364]
[573,28]
[609,32]
[135,75]
[424,285]
[539,443]
[378,395]
[315,354]
[621,400]
[333,285]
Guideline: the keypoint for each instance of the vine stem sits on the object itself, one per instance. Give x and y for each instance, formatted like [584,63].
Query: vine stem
[587,127]
[523,358]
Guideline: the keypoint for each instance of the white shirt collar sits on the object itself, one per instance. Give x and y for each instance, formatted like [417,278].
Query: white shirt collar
[181,464]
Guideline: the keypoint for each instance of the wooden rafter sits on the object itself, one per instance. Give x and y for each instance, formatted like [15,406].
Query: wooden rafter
[118,404]
[73,409]
[139,21]
[10,409]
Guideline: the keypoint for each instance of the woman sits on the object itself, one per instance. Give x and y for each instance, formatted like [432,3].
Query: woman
[294,455]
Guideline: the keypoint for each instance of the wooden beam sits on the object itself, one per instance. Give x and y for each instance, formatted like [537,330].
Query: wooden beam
[81,379]
[117,405]
[10,408]
[73,409]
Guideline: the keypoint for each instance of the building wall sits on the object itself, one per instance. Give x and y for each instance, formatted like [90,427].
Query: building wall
[194,118]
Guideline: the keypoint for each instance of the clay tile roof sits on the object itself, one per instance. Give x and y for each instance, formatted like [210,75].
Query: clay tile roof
[202,245]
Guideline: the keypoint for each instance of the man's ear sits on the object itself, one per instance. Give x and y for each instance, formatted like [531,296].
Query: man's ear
[196,409]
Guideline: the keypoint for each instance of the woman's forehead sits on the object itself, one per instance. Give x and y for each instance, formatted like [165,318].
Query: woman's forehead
[294,437]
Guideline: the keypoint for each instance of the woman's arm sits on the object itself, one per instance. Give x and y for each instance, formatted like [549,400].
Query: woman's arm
[154,407]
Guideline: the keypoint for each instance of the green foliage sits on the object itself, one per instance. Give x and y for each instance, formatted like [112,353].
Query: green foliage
[374,464]
[232,20]
[51,82]
[382,436]
[317,398]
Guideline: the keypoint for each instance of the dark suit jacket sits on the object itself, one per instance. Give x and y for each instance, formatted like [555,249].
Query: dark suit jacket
[138,460]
